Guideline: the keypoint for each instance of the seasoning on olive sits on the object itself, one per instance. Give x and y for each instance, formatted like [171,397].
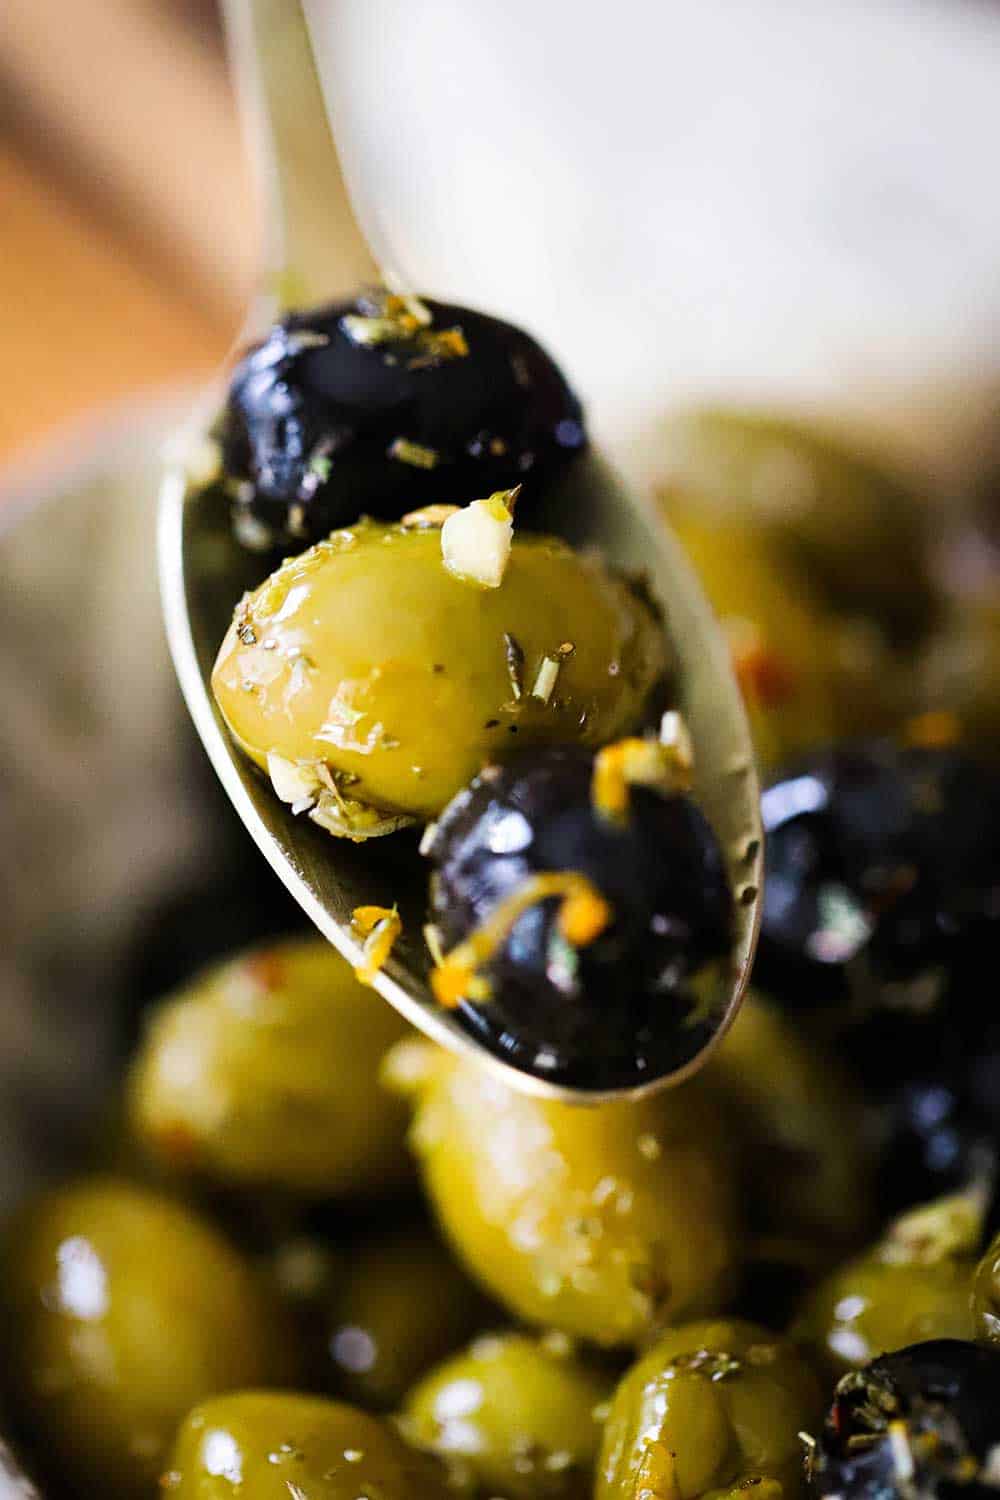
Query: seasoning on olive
[373,684]
[858,528]
[401,1305]
[264,1072]
[604,1223]
[713,1407]
[384,404]
[924,1420]
[913,1285]
[121,1309]
[521,1413]
[272,1445]
[797,1120]
[883,876]
[617,1002]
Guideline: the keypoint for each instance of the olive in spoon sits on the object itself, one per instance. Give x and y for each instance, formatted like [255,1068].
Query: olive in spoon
[204,572]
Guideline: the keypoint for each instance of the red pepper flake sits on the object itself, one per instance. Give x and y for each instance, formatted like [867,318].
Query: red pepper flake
[765,677]
[266,969]
[177,1144]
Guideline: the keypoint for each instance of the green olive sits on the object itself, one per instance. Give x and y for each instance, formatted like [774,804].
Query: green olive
[121,1310]
[868,1307]
[365,657]
[858,527]
[402,1305]
[713,1407]
[272,1445]
[521,1413]
[604,1223]
[986,1295]
[798,1123]
[807,675]
[264,1072]
[915,1284]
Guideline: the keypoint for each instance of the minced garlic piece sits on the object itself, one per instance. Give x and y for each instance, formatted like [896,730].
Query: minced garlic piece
[380,926]
[674,737]
[476,540]
[294,783]
[545,681]
[310,786]
[583,916]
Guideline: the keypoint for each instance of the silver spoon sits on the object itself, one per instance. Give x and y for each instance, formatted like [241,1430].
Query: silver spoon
[204,572]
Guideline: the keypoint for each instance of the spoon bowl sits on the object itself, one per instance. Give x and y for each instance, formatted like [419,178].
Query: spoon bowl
[204,572]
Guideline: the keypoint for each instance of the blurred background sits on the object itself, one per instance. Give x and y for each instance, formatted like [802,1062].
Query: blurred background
[726,201]
[128,225]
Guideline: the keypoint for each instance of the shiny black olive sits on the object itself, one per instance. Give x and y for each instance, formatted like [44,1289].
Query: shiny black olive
[883,884]
[939,1134]
[359,407]
[921,1421]
[620,1008]
[940,1127]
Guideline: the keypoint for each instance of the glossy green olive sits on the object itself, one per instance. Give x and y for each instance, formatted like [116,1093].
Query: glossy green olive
[869,1307]
[712,1406]
[604,1223]
[858,527]
[264,1072]
[914,1284]
[522,1414]
[986,1295]
[402,1305]
[366,655]
[272,1445]
[121,1309]
[797,1120]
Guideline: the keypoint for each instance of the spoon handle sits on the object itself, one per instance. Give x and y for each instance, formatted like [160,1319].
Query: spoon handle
[313,249]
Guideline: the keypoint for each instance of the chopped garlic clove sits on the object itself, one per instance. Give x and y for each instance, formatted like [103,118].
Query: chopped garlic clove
[675,737]
[293,783]
[476,541]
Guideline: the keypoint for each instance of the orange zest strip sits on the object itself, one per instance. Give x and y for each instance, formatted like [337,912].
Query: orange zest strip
[583,916]
[380,926]
[636,762]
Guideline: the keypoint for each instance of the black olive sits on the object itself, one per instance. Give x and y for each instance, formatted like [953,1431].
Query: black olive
[921,1421]
[938,1136]
[359,408]
[619,1010]
[883,886]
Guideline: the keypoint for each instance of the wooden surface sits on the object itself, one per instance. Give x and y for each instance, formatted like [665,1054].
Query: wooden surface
[128,231]
[86,319]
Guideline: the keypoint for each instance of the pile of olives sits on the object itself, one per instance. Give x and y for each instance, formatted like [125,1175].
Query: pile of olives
[316,1257]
